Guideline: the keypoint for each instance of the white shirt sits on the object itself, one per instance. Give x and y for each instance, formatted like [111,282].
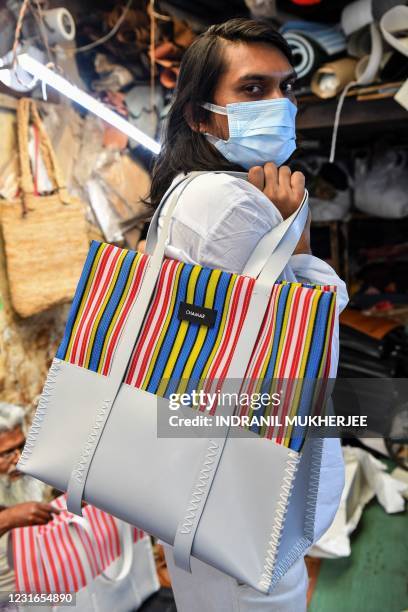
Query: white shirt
[217,222]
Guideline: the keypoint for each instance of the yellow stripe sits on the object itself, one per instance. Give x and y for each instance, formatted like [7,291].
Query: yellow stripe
[220,334]
[305,355]
[101,308]
[327,340]
[165,326]
[118,310]
[181,333]
[264,428]
[284,326]
[202,332]
[85,297]
[309,334]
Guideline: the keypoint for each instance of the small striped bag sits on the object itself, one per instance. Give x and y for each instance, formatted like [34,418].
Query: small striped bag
[143,329]
[82,557]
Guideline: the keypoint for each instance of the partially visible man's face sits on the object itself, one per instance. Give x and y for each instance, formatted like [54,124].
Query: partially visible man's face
[11,445]
[256,71]
[15,488]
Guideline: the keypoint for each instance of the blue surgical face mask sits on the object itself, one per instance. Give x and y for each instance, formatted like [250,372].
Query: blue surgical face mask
[259,132]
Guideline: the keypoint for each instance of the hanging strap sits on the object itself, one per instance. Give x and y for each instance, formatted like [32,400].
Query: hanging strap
[26,111]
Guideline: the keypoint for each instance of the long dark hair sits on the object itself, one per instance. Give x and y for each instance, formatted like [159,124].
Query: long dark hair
[184,149]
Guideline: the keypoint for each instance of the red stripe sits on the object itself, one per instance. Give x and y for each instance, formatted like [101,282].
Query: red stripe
[109,538]
[61,562]
[61,529]
[41,561]
[89,551]
[94,312]
[248,294]
[294,307]
[101,268]
[302,327]
[77,558]
[51,563]
[264,347]
[303,322]
[37,583]
[224,344]
[26,580]
[289,334]
[97,536]
[16,538]
[172,265]
[115,535]
[167,299]
[135,288]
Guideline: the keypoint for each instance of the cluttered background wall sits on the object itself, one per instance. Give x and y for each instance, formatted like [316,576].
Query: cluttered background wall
[351,61]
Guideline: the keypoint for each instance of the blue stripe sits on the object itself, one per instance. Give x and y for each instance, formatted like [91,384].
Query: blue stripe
[191,334]
[93,249]
[277,331]
[219,305]
[110,309]
[172,330]
[319,335]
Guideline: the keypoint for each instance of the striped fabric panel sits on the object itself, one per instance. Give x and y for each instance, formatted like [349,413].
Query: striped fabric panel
[292,353]
[169,353]
[60,568]
[110,281]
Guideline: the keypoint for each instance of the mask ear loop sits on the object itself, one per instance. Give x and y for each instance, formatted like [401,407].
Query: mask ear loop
[215,108]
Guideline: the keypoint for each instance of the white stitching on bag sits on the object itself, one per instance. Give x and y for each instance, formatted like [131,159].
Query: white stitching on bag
[79,470]
[41,410]
[199,489]
[314,481]
[277,528]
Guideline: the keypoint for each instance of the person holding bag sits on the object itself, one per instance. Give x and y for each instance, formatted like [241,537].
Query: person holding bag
[234,113]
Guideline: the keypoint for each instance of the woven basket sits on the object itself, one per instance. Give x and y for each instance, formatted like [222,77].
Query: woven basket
[45,236]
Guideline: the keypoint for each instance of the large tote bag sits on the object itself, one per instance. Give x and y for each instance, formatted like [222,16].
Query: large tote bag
[101,561]
[45,236]
[234,502]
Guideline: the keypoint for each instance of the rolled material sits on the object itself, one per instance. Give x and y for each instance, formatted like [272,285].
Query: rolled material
[367,68]
[361,13]
[394,21]
[332,77]
[356,15]
[305,54]
[330,39]
[60,25]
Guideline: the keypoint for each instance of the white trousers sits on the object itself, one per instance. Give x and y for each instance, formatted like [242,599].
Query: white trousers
[209,590]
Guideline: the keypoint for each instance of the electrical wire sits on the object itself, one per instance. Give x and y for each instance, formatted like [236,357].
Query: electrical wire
[108,36]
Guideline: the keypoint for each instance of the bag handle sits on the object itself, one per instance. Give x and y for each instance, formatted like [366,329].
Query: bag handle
[27,109]
[126,547]
[265,259]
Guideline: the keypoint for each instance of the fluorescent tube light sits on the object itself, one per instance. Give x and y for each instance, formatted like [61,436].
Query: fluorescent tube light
[47,76]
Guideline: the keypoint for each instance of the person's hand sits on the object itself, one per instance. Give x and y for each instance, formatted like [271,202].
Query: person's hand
[141,246]
[285,190]
[26,514]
